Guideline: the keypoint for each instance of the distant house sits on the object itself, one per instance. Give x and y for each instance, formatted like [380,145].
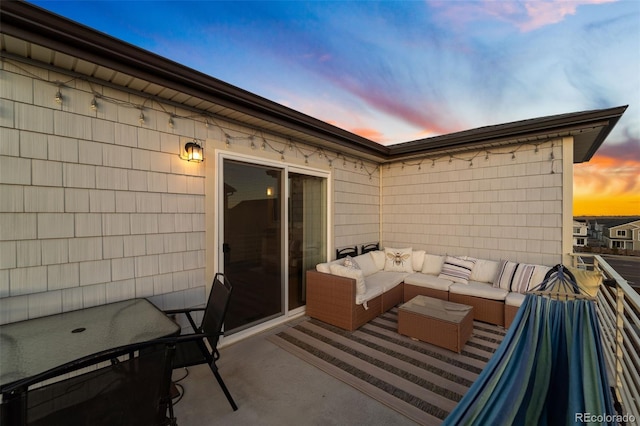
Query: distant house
[596,230]
[580,233]
[624,236]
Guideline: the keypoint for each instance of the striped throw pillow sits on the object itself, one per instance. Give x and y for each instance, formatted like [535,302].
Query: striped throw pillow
[456,269]
[519,277]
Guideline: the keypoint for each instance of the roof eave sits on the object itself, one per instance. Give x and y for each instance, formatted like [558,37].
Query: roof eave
[592,126]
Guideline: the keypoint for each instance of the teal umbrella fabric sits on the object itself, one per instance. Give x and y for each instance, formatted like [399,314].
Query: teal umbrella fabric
[549,370]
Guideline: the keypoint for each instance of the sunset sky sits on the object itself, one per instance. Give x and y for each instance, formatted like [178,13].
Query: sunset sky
[395,71]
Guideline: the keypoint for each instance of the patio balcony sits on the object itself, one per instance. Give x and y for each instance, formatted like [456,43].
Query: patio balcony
[272,386]
[618,307]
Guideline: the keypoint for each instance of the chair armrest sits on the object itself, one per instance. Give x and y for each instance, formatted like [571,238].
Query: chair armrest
[187,312]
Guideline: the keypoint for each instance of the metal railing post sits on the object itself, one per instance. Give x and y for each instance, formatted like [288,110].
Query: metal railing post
[619,353]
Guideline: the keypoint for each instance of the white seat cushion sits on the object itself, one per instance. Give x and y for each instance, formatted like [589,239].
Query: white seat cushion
[514,299]
[369,294]
[386,280]
[478,289]
[428,281]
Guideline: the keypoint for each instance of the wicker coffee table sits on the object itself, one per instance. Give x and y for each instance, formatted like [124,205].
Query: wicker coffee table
[441,323]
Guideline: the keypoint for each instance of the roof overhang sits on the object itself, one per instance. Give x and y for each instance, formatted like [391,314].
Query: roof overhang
[588,128]
[34,35]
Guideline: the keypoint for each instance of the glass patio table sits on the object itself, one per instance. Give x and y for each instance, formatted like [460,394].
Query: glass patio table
[31,347]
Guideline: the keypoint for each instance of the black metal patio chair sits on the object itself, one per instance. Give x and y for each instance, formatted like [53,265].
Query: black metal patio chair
[130,386]
[195,350]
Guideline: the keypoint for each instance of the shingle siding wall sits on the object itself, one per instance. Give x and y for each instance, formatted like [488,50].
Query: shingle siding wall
[498,208]
[356,213]
[94,206]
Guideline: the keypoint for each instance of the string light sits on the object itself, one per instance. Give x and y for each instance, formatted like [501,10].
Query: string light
[316,151]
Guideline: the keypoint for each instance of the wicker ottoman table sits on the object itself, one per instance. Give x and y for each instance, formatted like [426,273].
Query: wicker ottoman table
[441,323]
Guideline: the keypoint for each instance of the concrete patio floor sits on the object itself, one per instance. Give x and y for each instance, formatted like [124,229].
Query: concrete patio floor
[273,387]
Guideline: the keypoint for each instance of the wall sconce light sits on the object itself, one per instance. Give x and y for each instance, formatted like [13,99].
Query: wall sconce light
[192,152]
[269,191]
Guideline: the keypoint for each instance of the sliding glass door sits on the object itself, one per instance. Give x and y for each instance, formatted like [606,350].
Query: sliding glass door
[274,228]
[307,231]
[252,245]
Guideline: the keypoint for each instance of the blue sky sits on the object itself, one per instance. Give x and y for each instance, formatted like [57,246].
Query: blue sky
[395,71]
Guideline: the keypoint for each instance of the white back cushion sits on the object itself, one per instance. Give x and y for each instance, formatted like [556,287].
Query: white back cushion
[432,264]
[367,264]
[417,259]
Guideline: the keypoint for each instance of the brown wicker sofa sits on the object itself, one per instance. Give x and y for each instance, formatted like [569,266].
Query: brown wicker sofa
[331,299]
[334,299]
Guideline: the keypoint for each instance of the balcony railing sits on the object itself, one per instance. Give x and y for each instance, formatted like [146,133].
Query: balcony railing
[618,307]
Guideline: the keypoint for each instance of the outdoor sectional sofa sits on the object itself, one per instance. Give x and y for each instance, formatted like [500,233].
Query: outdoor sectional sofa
[350,292]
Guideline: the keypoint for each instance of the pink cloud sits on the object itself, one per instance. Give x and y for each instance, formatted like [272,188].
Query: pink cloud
[526,16]
[425,117]
[543,13]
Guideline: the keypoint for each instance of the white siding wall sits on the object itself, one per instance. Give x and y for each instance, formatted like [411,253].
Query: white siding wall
[497,208]
[95,207]
[356,205]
